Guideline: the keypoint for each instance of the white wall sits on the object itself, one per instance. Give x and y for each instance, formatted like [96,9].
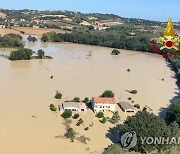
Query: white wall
[106,107]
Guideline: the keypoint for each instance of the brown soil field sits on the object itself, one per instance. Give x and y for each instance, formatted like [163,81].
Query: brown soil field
[2,15]
[36,31]
[4,31]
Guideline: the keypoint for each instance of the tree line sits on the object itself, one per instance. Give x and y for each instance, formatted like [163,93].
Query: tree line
[113,39]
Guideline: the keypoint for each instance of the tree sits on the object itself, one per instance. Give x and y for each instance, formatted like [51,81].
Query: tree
[76,99]
[53,108]
[115,149]
[86,100]
[21,54]
[115,118]
[100,114]
[76,116]
[108,93]
[70,133]
[104,120]
[41,54]
[66,114]
[173,113]
[31,38]
[80,121]
[58,95]
[11,40]
[145,124]
[115,52]
[90,27]
[137,106]
[45,38]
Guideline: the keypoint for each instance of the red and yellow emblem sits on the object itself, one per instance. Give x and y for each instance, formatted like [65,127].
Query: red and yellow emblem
[169,41]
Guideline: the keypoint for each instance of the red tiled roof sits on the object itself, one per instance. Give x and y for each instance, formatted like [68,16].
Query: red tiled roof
[104,100]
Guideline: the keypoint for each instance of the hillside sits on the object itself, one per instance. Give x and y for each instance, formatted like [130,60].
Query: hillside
[67,20]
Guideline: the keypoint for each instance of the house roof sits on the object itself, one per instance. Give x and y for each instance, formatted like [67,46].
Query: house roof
[104,100]
[77,105]
[126,106]
[70,105]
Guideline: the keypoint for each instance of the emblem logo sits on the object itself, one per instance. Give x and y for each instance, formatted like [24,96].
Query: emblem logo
[168,41]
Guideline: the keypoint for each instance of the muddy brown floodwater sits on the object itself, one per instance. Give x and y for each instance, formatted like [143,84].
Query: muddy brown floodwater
[28,126]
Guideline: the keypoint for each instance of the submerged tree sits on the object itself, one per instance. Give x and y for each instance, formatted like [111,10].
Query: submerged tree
[115,52]
[31,38]
[70,133]
[41,54]
[58,95]
[21,54]
[108,93]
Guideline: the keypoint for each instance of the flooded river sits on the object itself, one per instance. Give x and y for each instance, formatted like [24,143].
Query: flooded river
[28,126]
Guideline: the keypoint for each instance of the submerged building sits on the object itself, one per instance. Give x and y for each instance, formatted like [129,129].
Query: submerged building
[103,104]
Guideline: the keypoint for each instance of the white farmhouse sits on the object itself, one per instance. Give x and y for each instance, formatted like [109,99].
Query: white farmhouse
[103,104]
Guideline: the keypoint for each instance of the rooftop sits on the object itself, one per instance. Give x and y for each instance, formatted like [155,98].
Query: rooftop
[104,100]
[77,105]
[126,106]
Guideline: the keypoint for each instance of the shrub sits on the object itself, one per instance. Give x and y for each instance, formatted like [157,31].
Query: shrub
[108,93]
[104,120]
[128,70]
[87,128]
[129,98]
[76,116]
[58,95]
[100,114]
[53,108]
[80,121]
[70,133]
[115,52]
[66,114]
[76,99]
[137,106]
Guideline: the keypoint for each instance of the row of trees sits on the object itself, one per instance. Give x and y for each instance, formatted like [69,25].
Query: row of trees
[26,54]
[114,39]
[175,62]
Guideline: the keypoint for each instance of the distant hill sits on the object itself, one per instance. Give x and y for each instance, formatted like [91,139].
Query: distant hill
[67,20]
[2,15]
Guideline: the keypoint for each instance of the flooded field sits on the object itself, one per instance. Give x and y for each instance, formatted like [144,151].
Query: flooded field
[26,123]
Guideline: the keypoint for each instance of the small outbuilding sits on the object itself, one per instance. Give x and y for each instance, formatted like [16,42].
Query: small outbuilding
[126,107]
[73,106]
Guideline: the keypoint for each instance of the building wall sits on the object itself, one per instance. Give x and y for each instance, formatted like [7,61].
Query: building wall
[104,107]
[73,109]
